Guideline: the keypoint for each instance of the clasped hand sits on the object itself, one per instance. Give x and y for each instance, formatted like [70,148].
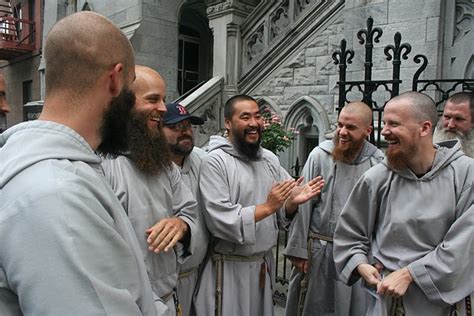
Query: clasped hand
[166,233]
[394,284]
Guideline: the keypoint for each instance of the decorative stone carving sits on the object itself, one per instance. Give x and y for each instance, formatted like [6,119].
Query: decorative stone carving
[279,20]
[221,7]
[303,5]
[255,44]
[464,19]
[210,122]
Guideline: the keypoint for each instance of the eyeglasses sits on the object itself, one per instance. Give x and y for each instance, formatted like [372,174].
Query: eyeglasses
[181,126]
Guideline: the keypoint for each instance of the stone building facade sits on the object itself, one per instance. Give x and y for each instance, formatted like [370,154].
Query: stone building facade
[279,51]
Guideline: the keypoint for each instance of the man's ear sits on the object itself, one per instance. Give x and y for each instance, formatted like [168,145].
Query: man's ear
[227,124]
[426,128]
[369,130]
[116,79]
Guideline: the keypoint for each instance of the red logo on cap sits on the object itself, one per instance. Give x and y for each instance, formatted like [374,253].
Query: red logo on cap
[182,110]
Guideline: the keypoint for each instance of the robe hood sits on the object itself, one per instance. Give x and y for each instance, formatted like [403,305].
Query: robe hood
[28,143]
[368,151]
[446,152]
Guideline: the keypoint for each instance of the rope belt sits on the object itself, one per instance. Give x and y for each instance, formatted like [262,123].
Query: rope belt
[166,297]
[188,272]
[172,295]
[235,258]
[305,280]
[312,235]
[456,309]
[218,260]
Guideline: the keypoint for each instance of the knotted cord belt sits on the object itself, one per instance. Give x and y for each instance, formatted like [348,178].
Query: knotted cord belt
[218,260]
[304,282]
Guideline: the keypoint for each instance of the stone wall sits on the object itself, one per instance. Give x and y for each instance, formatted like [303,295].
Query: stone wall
[156,40]
[308,77]
[309,72]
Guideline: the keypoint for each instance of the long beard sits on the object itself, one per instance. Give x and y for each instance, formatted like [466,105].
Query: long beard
[249,150]
[147,149]
[467,141]
[346,154]
[114,124]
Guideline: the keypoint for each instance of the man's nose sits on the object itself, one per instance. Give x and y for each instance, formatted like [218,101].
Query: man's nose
[161,107]
[451,123]
[4,106]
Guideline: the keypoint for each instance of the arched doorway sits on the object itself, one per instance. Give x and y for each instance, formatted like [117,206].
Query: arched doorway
[310,120]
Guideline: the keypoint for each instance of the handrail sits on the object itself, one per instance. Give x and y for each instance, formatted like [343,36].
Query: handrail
[9,32]
[189,92]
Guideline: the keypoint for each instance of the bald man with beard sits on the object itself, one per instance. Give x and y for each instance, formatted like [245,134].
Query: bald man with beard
[457,122]
[67,246]
[160,206]
[314,287]
[412,214]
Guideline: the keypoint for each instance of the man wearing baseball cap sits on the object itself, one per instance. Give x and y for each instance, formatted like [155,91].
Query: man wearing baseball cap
[177,128]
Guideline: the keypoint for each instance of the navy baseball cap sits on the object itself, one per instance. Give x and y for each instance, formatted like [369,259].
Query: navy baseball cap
[176,113]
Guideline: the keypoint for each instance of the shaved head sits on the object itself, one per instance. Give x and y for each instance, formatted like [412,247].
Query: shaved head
[79,48]
[360,109]
[144,76]
[422,107]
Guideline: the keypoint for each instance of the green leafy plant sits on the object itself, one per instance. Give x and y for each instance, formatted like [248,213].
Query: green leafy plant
[275,137]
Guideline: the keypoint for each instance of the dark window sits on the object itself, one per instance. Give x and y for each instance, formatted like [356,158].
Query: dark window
[27,92]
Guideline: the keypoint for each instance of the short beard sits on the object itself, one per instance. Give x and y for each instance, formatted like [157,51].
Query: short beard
[147,149]
[348,154]
[113,131]
[179,150]
[248,150]
[467,141]
[398,159]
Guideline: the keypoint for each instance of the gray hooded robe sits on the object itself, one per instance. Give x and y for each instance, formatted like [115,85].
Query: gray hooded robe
[66,244]
[423,223]
[325,294]
[187,282]
[230,187]
[147,200]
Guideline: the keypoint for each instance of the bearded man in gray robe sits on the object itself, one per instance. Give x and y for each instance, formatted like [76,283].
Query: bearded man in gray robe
[149,186]
[245,195]
[457,122]
[67,246]
[178,130]
[314,287]
[413,214]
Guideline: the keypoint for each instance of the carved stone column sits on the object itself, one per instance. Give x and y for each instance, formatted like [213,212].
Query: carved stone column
[224,21]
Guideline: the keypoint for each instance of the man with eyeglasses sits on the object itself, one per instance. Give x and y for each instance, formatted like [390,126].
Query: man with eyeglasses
[178,130]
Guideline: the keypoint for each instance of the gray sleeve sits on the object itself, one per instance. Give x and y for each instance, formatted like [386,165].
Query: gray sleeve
[224,219]
[69,252]
[354,229]
[446,273]
[184,207]
[297,245]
